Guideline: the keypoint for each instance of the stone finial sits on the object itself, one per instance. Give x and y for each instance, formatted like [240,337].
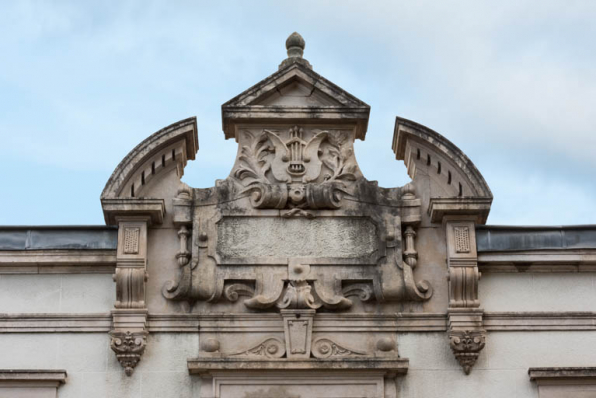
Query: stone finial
[295,45]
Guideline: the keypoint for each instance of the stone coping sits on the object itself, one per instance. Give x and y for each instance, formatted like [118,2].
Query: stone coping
[67,237]
[502,238]
[556,373]
[113,208]
[58,375]
[202,366]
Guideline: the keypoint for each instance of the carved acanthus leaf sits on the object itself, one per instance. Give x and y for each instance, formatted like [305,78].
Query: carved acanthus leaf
[298,296]
[253,160]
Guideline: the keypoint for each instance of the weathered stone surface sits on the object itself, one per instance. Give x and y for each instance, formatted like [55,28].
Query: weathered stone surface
[354,238]
[295,276]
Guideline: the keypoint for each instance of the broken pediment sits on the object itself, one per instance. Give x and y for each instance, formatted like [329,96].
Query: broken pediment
[296,238]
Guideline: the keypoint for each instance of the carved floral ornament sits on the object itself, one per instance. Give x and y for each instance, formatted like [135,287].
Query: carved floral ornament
[290,171]
[297,174]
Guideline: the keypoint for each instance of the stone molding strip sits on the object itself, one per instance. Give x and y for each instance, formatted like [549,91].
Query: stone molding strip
[33,375]
[556,373]
[58,262]
[271,323]
[201,366]
[104,261]
[564,260]
[508,238]
[55,323]
[43,237]
[537,321]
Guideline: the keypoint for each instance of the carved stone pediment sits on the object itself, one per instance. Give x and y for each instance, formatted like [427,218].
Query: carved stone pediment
[295,92]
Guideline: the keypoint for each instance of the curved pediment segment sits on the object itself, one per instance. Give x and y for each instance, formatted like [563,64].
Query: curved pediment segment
[427,153]
[170,147]
[295,93]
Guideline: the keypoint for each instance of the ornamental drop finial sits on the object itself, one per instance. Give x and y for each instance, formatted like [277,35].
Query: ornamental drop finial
[295,45]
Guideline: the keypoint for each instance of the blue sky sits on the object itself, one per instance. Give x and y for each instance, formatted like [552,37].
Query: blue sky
[512,83]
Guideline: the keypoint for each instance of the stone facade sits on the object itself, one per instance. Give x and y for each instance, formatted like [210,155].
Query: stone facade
[296,276]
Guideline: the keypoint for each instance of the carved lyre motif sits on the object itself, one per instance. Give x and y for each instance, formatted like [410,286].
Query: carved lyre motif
[296,146]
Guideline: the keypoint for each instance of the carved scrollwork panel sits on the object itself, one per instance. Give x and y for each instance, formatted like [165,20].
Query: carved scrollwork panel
[232,292]
[364,291]
[271,347]
[324,347]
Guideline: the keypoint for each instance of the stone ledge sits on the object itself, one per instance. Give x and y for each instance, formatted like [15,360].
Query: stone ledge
[539,321]
[264,323]
[131,207]
[58,262]
[556,373]
[478,207]
[30,375]
[563,260]
[392,367]
[55,323]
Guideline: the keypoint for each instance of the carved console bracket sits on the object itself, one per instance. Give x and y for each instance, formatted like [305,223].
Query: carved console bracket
[129,333]
[467,336]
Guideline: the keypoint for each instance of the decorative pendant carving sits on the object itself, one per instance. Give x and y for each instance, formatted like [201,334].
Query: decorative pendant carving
[183,256]
[466,346]
[129,347]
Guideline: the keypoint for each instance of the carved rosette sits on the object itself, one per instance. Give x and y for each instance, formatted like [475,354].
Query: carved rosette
[129,347]
[466,346]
